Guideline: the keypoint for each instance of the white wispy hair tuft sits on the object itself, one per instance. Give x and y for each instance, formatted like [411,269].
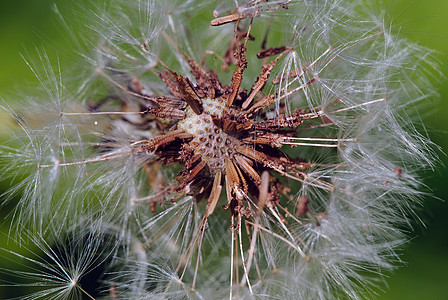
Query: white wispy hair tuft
[66,265]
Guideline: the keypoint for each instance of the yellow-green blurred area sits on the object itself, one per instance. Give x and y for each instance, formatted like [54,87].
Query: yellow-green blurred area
[27,24]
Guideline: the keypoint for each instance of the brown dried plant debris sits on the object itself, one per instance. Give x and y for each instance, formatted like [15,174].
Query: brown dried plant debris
[222,132]
[222,135]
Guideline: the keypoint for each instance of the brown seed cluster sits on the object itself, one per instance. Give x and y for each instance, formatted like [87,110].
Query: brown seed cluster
[221,132]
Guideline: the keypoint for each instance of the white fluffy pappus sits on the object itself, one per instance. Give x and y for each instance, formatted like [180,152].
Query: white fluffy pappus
[75,264]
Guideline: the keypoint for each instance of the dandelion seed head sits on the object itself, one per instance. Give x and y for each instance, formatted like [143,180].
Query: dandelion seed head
[73,283]
[210,142]
[265,151]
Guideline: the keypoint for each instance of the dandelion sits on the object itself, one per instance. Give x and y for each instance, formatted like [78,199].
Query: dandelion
[72,265]
[263,152]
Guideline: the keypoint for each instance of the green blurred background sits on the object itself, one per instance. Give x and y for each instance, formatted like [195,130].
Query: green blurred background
[26,24]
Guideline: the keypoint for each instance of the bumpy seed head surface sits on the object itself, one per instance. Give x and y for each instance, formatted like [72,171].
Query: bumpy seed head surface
[210,141]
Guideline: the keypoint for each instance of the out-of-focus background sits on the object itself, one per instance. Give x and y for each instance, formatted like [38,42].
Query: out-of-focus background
[26,24]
